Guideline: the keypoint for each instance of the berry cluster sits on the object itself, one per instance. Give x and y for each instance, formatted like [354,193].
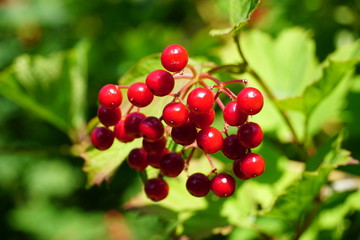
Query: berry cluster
[186,120]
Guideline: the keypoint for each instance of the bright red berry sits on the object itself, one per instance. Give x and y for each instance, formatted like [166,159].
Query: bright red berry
[223,185]
[232,148]
[154,147]
[252,165]
[137,159]
[250,135]
[102,138]
[210,140]
[174,58]
[156,189]
[151,129]
[109,116]
[139,94]
[175,114]
[232,114]
[131,124]
[237,171]
[198,185]
[185,134]
[120,133]
[200,100]
[171,164]
[202,120]
[250,101]
[160,82]
[110,96]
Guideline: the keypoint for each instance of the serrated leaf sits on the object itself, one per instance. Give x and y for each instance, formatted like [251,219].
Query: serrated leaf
[240,12]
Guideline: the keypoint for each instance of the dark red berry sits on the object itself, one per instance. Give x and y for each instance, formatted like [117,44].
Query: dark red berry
[131,124]
[175,114]
[236,170]
[156,189]
[232,148]
[210,140]
[232,114]
[139,94]
[252,165]
[185,134]
[109,116]
[120,133]
[202,120]
[171,164]
[154,147]
[160,82]
[250,101]
[223,185]
[110,96]
[174,58]
[250,135]
[198,185]
[151,129]
[102,138]
[137,159]
[154,158]
[200,100]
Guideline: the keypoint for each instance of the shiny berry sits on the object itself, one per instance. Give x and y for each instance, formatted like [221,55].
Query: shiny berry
[232,148]
[120,133]
[139,94]
[174,58]
[202,120]
[102,138]
[175,114]
[185,134]
[137,159]
[171,164]
[160,82]
[198,185]
[156,189]
[131,124]
[232,114]
[210,140]
[250,135]
[154,147]
[223,185]
[110,96]
[250,101]
[109,116]
[252,165]
[236,169]
[200,100]
[151,129]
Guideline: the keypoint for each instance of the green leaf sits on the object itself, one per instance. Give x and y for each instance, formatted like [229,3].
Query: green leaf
[295,104]
[240,12]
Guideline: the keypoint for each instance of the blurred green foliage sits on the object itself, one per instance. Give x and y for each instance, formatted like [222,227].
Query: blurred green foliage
[54,57]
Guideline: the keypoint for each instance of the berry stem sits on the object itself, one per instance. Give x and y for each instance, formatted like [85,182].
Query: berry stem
[187,162]
[244,81]
[213,168]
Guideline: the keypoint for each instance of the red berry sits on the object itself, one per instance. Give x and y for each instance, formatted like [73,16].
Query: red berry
[198,185]
[232,148]
[223,185]
[174,58]
[156,189]
[154,158]
[250,101]
[109,116]
[137,159]
[110,96]
[252,165]
[160,82]
[171,164]
[202,120]
[151,129]
[185,134]
[200,100]
[236,170]
[139,94]
[102,138]
[120,133]
[131,124]
[232,114]
[175,114]
[210,140]
[154,147]
[250,135]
